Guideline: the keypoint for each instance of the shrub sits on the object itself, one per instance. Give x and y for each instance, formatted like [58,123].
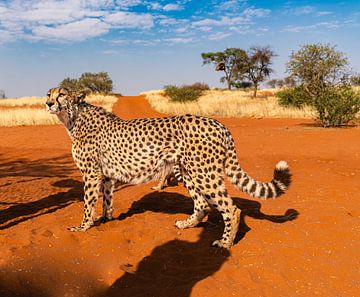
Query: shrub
[242,84]
[185,92]
[337,106]
[294,97]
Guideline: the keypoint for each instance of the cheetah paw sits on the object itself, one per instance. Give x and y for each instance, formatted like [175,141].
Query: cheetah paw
[182,224]
[157,188]
[222,244]
[102,219]
[77,229]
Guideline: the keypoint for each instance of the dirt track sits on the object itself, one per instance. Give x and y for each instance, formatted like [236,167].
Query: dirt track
[141,253]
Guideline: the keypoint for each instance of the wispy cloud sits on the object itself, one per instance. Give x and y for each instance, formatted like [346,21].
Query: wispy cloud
[245,17]
[300,10]
[324,13]
[317,26]
[177,40]
[172,6]
[130,20]
[219,36]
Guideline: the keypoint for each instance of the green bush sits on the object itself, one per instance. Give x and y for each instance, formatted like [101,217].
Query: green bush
[337,106]
[294,97]
[185,93]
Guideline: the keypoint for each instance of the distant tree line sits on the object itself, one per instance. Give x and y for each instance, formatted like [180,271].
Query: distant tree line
[89,82]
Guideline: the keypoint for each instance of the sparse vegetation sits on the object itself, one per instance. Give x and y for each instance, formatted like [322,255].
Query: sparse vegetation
[227,103]
[31,110]
[185,93]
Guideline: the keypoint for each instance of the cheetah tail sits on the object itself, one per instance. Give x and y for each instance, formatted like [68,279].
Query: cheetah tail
[263,190]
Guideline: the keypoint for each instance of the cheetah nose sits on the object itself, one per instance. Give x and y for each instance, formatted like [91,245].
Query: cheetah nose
[49,104]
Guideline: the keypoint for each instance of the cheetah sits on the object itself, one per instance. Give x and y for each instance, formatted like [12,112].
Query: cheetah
[107,149]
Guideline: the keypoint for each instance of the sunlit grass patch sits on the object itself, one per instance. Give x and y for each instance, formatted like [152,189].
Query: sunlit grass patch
[31,110]
[226,103]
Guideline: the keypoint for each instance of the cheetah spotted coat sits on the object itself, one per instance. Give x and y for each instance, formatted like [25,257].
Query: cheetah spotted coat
[107,149]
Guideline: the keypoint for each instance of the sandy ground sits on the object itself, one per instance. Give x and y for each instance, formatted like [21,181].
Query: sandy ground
[141,253]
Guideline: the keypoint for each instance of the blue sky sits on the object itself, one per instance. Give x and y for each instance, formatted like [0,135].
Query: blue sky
[145,45]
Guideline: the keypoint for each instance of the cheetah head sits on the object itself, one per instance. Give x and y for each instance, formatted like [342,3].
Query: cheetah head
[61,100]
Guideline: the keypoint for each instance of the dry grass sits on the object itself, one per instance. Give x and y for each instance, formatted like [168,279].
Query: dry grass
[228,104]
[31,110]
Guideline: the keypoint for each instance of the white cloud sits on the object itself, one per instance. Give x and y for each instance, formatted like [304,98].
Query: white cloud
[130,20]
[323,13]
[182,29]
[75,31]
[301,10]
[256,12]
[231,4]
[179,40]
[72,20]
[223,21]
[125,4]
[317,26]
[218,36]
[171,7]
[246,17]
[154,5]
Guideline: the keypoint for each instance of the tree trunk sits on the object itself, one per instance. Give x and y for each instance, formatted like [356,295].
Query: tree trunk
[255,90]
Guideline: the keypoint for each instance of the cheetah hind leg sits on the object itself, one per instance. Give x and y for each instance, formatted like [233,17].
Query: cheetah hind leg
[201,208]
[231,228]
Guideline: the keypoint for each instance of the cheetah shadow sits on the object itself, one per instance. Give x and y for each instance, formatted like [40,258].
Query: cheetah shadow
[174,203]
[18,213]
[174,268]
[29,170]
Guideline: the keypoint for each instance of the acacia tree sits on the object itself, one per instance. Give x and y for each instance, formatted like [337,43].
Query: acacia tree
[2,94]
[232,62]
[94,82]
[70,84]
[317,66]
[259,60]
[323,82]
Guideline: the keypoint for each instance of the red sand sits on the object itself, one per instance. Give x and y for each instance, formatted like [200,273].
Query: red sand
[141,253]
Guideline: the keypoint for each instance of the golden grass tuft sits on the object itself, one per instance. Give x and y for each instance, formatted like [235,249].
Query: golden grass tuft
[31,110]
[223,103]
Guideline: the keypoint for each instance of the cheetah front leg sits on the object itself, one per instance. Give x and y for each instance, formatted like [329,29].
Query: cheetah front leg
[107,190]
[91,189]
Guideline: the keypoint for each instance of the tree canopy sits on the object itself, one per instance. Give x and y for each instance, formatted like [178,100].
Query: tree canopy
[94,82]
